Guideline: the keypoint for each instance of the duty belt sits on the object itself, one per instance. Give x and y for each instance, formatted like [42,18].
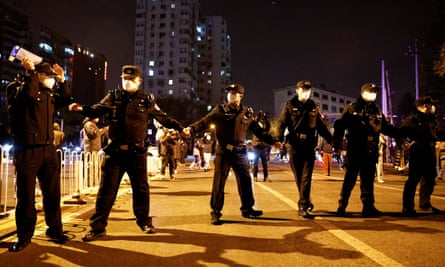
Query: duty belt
[234,148]
[123,147]
[301,136]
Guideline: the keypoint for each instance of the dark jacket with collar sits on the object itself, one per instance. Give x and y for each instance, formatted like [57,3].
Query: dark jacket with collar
[303,121]
[231,125]
[363,122]
[31,110]
[129,115]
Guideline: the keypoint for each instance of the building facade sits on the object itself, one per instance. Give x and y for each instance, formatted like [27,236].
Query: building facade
[331,104]
[214,64]
[181,53]
[85,70]
[165,46]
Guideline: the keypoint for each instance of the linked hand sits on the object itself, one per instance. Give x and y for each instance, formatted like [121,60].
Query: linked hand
[75,107]
[60,73]
[186,132]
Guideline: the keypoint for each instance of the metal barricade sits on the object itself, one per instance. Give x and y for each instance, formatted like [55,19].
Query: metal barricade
[80,172]
[440,158]
[7,184]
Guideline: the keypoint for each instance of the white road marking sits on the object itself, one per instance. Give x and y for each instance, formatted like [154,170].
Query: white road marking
[358,245]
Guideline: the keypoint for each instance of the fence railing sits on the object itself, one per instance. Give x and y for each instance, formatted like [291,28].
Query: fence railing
[80,173]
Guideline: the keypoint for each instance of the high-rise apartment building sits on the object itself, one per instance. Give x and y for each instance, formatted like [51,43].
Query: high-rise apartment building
[165,46]
[14,24]
[181,54]
[86,70]
[214,72]
[14,30]
[89,76]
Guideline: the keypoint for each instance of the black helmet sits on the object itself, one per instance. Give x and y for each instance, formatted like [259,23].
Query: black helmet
[370,87]
[235,87]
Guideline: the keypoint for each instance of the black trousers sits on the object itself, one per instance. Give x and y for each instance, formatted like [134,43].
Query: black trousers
[422,164]
[41,162]
[237,160]
[260,154]
[170,161]
[302,160]
[116,164]
[363,162]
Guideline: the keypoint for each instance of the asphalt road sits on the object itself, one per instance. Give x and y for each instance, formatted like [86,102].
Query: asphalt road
[185,237]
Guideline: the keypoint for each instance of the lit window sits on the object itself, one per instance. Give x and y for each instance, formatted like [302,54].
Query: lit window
[151,63]
[69,51]
[46,47]
[151,72]
[170,82]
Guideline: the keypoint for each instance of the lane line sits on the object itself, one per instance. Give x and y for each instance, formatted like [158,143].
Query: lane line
[357,244]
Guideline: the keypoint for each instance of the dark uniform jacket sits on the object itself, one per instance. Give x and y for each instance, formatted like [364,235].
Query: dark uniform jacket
[257,142]
[129,117]
[231,125]
[364,122]
[31,110]
[303,121]
[420,127]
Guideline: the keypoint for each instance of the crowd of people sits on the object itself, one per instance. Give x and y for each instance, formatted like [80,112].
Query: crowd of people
[219,137]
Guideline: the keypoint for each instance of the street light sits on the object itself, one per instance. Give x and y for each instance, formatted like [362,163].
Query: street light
[414,51]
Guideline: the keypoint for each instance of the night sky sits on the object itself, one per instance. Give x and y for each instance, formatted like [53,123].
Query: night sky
[338,45]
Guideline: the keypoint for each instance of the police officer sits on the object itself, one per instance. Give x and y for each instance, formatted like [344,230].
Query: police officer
[421,128]
[232,120]
[364,122]
[31,108]
[129,110]
[261,148]
[302,119]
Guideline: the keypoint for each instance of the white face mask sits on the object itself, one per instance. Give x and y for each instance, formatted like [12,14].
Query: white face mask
[130,86]
[369,96]
[234,98]
[303,95]
[49,83]
[427,109]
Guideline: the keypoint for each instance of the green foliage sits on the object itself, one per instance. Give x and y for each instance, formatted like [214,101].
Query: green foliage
[439,64]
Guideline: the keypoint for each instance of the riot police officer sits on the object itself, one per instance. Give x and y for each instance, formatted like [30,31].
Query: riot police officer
[129,110]
[232,120]
[302,119]
[32,102]
[421,129]
[364,122]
